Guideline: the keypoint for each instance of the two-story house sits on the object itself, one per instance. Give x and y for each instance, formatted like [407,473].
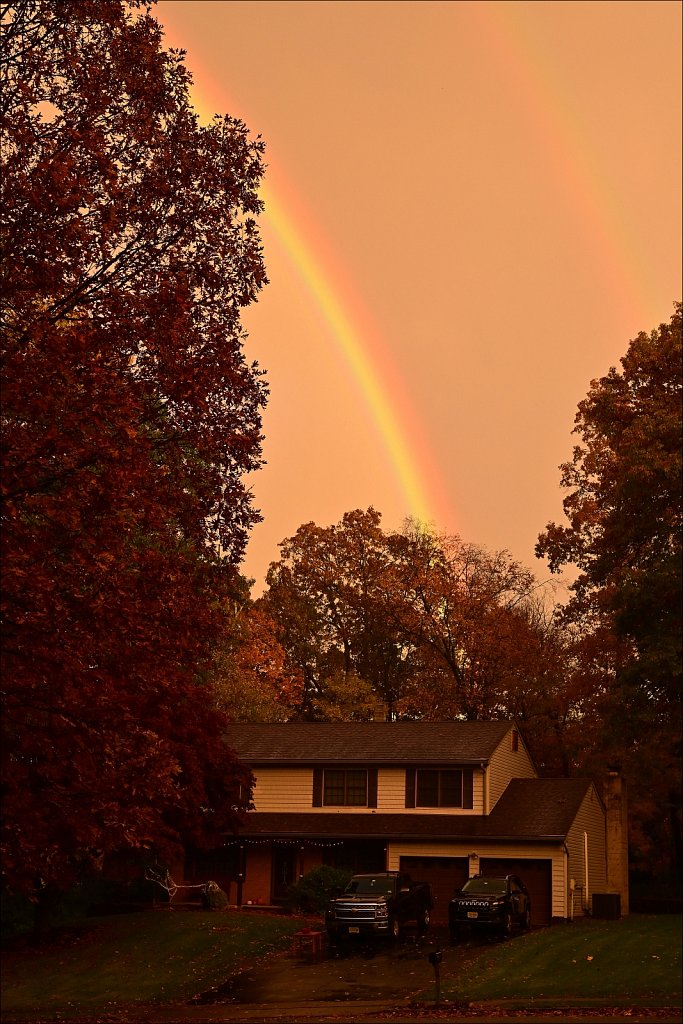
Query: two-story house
[440,800]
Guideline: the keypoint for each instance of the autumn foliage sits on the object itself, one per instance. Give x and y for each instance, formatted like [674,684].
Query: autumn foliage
[623,532]
[129,419]
[407,623]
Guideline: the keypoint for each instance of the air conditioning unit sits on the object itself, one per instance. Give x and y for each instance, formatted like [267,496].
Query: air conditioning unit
[607,905]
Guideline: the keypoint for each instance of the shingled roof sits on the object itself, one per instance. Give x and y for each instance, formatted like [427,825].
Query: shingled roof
[530,808]
[358,826]
[535,810]
[366,743]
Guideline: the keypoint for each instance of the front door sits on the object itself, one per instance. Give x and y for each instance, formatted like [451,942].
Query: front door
[285,860]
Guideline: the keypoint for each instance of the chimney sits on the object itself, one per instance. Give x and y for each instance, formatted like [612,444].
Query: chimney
[617,835]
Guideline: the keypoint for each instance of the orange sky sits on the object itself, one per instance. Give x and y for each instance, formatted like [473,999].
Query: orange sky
[471,209]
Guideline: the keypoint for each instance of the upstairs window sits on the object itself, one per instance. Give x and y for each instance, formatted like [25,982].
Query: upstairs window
[344,787]
[433,787]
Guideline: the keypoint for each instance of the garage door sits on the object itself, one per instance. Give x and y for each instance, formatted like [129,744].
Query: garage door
[444,874]
[537,876]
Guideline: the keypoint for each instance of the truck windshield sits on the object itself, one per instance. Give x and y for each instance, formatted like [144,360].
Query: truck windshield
[490,885]
[370,886]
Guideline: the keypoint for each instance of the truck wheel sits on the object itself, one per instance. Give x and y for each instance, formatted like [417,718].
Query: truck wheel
[423,920]
[394,928]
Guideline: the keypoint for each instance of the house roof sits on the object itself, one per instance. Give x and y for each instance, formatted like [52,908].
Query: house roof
[539,807]
[366,743]
[530,809]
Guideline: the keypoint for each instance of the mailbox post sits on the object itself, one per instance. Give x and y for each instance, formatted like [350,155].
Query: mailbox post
[435,959]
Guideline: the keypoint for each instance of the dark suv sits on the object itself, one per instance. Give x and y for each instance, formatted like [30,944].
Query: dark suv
[490,903]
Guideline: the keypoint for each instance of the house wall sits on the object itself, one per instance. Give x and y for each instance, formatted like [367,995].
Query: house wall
[279,789]
[311,857]
[590,821]
[292,788]
[506,764]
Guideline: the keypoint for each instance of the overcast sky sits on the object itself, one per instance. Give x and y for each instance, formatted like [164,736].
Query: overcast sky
[471,208]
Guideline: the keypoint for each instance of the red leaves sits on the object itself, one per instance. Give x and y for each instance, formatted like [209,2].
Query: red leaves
[129,421]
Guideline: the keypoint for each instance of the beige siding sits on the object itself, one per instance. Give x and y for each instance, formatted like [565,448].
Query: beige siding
[589,852]
[283,789]
[423,849]
[391,789]
[537,851]
[507,764]
[291,789]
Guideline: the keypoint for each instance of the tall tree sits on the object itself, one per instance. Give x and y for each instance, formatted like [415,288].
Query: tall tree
[130,417]
[429,623]
[250,674]
[326,595]
[456,604]
[624,534]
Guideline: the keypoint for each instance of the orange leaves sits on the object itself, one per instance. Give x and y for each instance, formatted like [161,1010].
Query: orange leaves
[406,623]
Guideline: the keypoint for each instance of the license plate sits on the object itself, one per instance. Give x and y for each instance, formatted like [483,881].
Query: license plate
[353,930]
[472,913]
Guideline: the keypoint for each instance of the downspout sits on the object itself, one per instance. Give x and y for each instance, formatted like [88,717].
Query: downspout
[585,871]
[568,897]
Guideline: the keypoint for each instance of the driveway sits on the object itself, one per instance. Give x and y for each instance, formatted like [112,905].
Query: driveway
[356,970]
[365,983]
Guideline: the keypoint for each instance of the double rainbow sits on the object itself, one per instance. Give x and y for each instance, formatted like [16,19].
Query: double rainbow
[579,179]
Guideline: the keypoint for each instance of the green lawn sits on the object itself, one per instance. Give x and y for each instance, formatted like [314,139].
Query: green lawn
[636,960]
[158,956]
[107,963]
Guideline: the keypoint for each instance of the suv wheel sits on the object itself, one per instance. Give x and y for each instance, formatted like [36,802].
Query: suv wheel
[526,920]
[394,928]
[507,925]
[423,920]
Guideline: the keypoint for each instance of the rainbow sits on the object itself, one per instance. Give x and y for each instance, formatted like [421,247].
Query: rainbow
[350,327]
[618,265]
[570,156]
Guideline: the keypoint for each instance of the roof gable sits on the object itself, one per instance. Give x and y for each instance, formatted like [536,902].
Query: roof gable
[366,743]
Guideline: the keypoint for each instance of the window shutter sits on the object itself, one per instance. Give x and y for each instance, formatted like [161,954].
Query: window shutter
[317,787]
[410,787]
[468,788]
[372,787]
